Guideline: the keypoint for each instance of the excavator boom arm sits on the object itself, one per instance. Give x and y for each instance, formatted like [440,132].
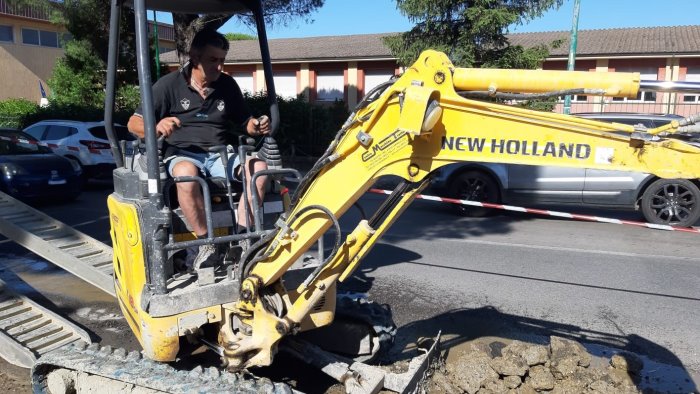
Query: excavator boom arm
[417,125]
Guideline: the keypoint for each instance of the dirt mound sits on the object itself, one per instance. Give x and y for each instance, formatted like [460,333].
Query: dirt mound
[563,366]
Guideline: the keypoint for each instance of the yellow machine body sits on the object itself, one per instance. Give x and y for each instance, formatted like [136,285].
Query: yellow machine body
[417,125]
[159,336]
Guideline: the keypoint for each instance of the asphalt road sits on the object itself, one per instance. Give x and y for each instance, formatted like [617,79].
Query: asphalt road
[514,276]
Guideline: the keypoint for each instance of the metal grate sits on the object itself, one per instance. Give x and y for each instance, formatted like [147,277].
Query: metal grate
[38,12]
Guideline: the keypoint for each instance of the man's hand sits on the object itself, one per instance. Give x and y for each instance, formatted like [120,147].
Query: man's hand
[168,125]
[259,126]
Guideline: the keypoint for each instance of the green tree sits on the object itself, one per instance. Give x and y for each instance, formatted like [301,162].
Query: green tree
[471,32]
[276,12]
[78,76]
[239,37]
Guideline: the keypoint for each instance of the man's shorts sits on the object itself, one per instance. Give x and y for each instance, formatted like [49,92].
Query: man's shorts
[209,164]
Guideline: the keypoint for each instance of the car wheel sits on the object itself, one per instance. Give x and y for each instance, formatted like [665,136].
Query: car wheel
[474,186]
[671,201]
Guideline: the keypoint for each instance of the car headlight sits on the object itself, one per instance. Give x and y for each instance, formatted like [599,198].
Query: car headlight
[75,165]
[8,170]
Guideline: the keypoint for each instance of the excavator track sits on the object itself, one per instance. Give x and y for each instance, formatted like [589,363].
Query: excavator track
[367,326]
[374,315]
[90,369]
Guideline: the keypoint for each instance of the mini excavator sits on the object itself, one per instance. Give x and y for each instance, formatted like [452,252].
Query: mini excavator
[247,307]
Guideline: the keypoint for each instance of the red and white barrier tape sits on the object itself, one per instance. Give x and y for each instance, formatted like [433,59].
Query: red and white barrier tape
[548,213]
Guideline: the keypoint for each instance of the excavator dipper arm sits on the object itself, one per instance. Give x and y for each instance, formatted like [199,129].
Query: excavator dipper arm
[417,125]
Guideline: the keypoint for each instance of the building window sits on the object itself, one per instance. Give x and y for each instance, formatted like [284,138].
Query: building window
[693,75]
[40,37]
[244,81]
[646,74]
[575,98]
[376,77]
[286,84]
[330,86]
[6,34]
[48,38]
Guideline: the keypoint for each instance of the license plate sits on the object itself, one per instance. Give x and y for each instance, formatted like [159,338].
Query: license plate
[57,181]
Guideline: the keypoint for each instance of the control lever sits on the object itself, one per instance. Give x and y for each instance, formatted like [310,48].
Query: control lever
[139,149]
[270,151]
[245,145]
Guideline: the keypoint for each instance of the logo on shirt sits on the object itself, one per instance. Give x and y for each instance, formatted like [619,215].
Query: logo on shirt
[185,103]
[220,105]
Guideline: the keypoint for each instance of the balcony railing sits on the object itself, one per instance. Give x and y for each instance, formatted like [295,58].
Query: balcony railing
[165,32]
[677,106]
[42,13]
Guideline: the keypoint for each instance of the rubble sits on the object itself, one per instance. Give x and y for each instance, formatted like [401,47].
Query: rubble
[563,366]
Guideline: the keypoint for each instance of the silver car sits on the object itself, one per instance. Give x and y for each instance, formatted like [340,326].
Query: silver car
[662,201]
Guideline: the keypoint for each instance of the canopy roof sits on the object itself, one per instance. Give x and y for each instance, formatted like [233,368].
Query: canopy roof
[199,6]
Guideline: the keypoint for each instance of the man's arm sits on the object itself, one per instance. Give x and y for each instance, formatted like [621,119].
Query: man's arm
[165,127]
[136,126]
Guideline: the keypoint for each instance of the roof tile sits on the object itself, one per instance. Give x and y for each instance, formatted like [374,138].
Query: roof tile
[604,42]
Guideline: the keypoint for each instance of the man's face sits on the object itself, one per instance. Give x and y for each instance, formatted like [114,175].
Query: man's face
[211,63]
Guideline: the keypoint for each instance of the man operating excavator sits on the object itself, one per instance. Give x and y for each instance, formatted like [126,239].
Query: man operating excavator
[193,109]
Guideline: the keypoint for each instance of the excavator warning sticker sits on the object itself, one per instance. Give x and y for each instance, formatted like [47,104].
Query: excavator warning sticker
[517,147]
[389,145]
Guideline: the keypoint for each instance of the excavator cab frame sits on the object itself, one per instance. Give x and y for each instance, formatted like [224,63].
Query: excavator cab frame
[158,277]
[154,297]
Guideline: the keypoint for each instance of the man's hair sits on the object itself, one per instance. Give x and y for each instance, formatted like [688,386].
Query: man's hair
[207,37]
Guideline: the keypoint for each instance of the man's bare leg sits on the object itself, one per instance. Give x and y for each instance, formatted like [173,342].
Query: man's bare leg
[190,197]
[255,165]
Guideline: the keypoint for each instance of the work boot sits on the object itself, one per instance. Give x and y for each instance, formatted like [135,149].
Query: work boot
[206,256]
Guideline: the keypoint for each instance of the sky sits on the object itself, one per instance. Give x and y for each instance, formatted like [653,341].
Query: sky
[343,17]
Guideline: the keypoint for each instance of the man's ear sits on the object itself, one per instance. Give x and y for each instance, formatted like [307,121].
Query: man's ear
[194,58]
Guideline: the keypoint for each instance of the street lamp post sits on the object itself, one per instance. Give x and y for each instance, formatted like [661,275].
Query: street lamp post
[572,51]
[155,34]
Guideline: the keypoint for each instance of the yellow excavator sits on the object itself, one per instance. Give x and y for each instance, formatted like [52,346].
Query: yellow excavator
[254,302]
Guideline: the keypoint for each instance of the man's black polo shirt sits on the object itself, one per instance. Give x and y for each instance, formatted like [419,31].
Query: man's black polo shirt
[204,121]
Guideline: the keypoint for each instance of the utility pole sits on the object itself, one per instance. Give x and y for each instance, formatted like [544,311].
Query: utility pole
[572,51]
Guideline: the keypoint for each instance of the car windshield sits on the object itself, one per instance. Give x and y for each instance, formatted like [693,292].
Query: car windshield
[18,143]
[121,131]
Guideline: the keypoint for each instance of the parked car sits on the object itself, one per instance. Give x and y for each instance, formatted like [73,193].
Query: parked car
[84,142]
[661,201]
[31,171]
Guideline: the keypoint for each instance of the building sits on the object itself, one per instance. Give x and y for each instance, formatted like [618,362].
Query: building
[322,69]
[657,53]
[331,68]
[30,45]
